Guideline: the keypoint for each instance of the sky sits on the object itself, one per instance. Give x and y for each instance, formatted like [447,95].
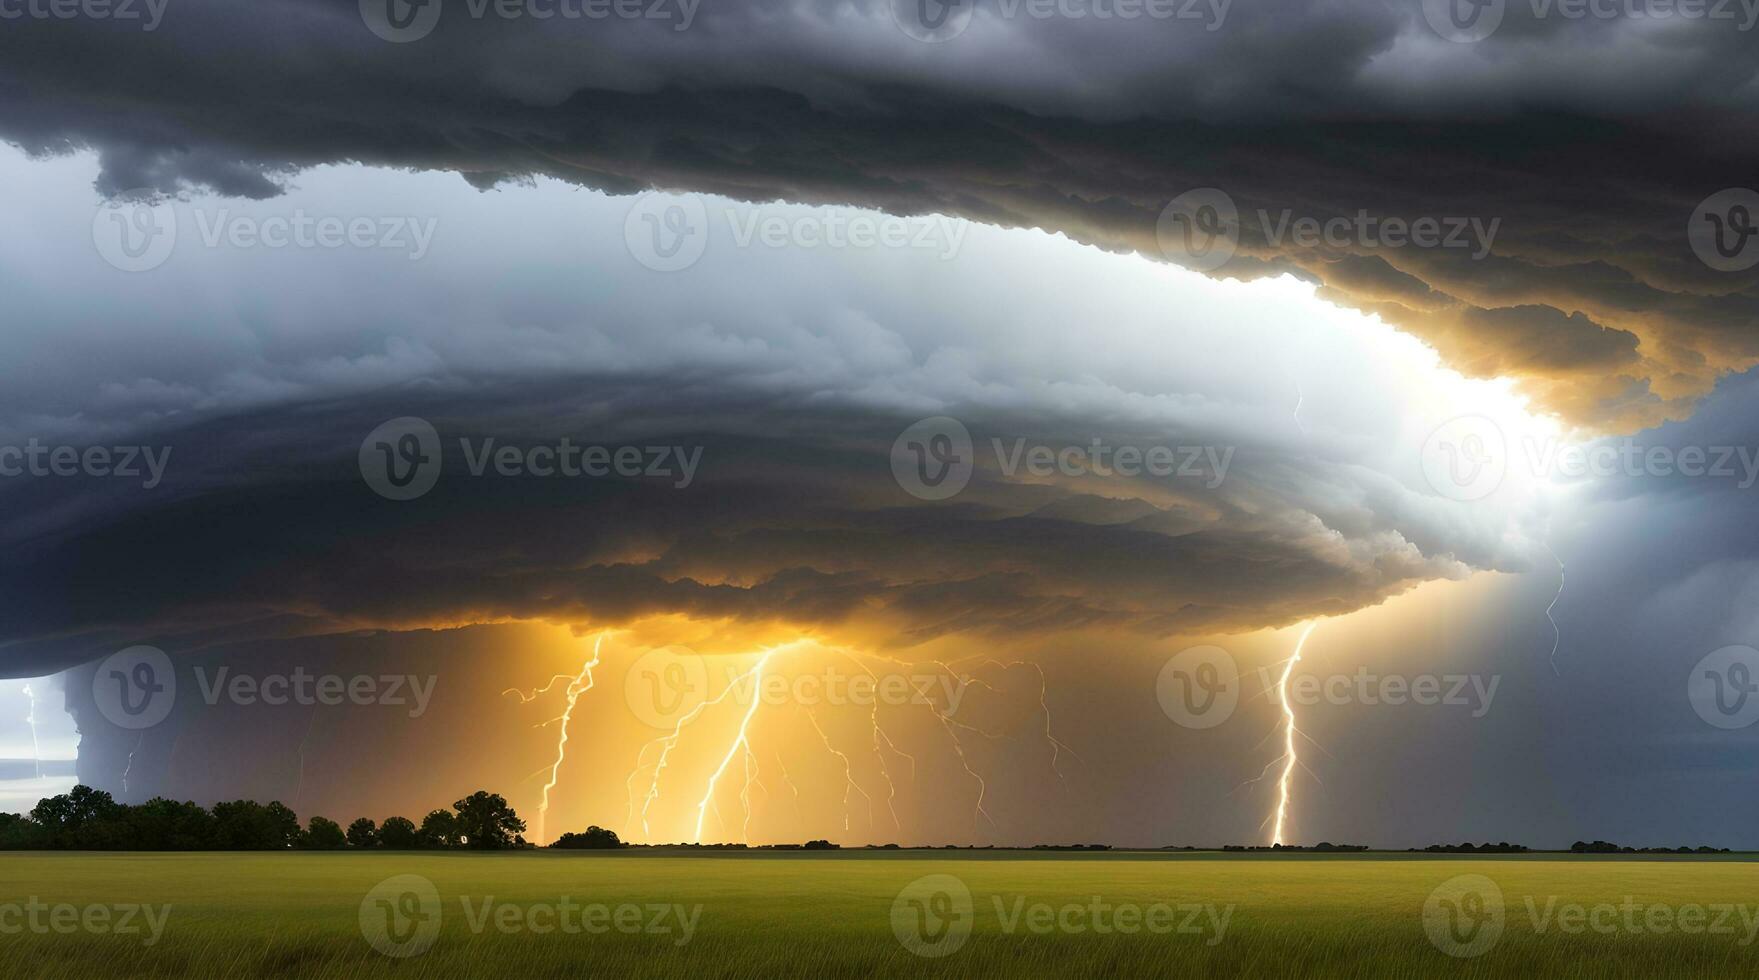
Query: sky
[791,427]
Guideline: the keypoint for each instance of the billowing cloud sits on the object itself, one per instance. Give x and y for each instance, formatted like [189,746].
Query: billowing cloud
[1558,191]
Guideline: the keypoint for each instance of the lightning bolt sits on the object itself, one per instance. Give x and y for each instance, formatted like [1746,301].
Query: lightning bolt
[952,728]
[1290,759]
[848,772]
[30,719]
[1557,635]
[668,742]
[739,742]
[580,684]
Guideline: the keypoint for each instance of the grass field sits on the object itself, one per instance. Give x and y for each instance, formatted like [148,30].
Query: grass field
[834,915]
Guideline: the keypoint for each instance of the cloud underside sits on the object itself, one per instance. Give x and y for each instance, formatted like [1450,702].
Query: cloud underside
[780,526]
[1588,295]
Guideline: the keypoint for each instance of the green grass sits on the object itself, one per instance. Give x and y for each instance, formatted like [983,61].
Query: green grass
[806,915]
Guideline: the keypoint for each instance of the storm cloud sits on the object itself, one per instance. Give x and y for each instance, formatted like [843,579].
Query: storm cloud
[1581,179]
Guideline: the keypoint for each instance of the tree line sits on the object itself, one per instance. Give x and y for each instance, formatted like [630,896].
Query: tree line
[91,819]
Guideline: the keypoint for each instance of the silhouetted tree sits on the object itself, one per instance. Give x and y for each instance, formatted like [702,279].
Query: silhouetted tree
[399,833]
[323,834]
[486,822]
[595,838]
[246,825]
[76,814]
[167,825]
[439,829]
[363,833]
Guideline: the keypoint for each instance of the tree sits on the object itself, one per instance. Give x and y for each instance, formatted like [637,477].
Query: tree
[19,833]
[323,834]
[595,838]
[246,825]
[399,833]
[439,829]
[486,822]
[72,810]
[363,833]
[167,825]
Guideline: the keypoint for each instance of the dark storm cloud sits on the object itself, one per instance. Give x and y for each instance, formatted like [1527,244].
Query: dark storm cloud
[1587,142]
[267,529]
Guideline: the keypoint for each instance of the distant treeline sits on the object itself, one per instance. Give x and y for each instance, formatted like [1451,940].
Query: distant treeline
[1602,847]
[1324,845]
[91,820]
[1468,847]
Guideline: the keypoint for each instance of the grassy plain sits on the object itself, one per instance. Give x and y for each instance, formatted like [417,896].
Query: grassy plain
[766,914]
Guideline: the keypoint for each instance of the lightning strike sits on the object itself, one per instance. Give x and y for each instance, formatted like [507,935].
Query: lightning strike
[581,683]
[1557,635]
[1290,758]
[738,742]
[30,719]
